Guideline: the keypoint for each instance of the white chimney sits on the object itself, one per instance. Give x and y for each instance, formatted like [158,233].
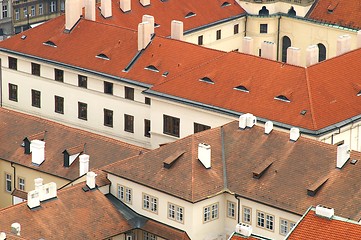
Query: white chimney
[294,134]
[311,55]
[150,19]
[2,236]
[343,44]
[343,154]
[73,10]
[268,50]
[83,164]
[177,30]
[294,56]
[268,127]
[38,183]
[48,191]
[90,180]
[204,154]
[247,45]
[244,229]
[324,211]
[33,199]
[125,5]
[15,228]
[145,2]
[251,120]
[243,121]
[144,36]
[106,8]
[359,39]
[90,9]
[37,152]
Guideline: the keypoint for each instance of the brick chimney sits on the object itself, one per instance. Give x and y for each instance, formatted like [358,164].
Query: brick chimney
[150,19]
[73,11]
[177,30]
[83,164]
[268,50]
[37,152]
[145,2]
[90,10]
[204,154]
[343,44]
[247,45]
[106,8]
[125,5]
[294,56]
[144,36]
[311,55]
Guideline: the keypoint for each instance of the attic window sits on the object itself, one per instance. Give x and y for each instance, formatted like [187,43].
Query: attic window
[303,112]
[190,14]
[152,68]
[165,74]
[314,188]
[359,93]
[49,43]
[225,4]
[282,98]
[206,80]
[102,56]
[241,88]
[156,25]
[169,161]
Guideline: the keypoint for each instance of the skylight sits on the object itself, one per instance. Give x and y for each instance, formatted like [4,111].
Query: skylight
[102,56]
[156,25]
[23,37]
[225,4]
[49,43]
[282,98]
[152,68]
[241,88]
[190,14]
[359,93]
[206,80]
[165,74]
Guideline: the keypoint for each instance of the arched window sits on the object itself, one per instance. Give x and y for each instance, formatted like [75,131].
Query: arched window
[291,12]
[286,43]
[264,11]
[321,52]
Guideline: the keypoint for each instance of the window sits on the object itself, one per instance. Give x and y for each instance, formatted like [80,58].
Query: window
[59,75]
[175,212]
[52,6]
[35,98]
[33,11]
[40,9]
[246,215]
[17,14]
[149,236]
[210,212]
[108,118]
[129,93]
[263,28]
[82,110]
[236,29]
[108,88]
[147,101]
[25,10]
[265,220]
[200,40]
[147,128]
[13,92]
[286,43]
[59,104]
[8,180]
[171,125]
[269,222]
[35,69]
[125,194]
[321,52]
[21,182]
[13,63]
[128,123]
[5,11]
[231,209]
[286,226]
[150,203]
[218,34]
[200,127]
[82,81]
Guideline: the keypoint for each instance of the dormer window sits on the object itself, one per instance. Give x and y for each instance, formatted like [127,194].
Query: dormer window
[225,4]
[152,68]
[241,88]
[359,93]
[190,14]
[206,80]
[102,56]
[156,25]
[49,43]
[282,98]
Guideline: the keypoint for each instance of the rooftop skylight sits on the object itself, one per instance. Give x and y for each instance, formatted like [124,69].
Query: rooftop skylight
[206,80]
[190,14]
[49,43]
[102,56]
[282,98]
[359,93]
[241,88]
[156,25]
[225,4]
[152,68]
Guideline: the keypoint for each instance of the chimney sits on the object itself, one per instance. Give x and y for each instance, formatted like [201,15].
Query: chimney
[144,36]
[268,50]
[2,236]
[73,11]
[106,8]
[343,154]
[251,120]
[323,211]
[90,9]
[15,228]
[33,199]
[204,154]
[359,39]
[294,134]
[145,2]
[125,5]
[243,121]
[244,229]
[343,44]
[311,55]
[48,191]
[268,127]
[294,56]
[90,180]
[37,152]
[247,46]
[177,30]
[150,19]
[83,164]
[38,183]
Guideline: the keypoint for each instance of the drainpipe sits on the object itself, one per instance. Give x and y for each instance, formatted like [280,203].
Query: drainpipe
[245,26]
[238,207]
[278,37]
[12,165]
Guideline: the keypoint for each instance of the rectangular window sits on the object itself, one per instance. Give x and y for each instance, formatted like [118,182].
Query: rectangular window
[82,110]
[41,9]
[269,222]
[13,92]
[129,93]
[149,236]
[21,183]
[210,212]
[17,14]
[82,81]
[128,123]
[286,226]
[231,209]
[108,118]
[218,34]
[263,28]
[147,128]
[59,75]
[265,220]
[33,11]
[8,180]
[260,219]
[175,212]
[13,63]
[5,11]
[200,40]
[108,88]
[52,6]
[171,125]
[200,127]
[246,214]
[150,203]
[35,98]
[35,69]
[59,104]
[125,194]
[236,29]
[25,10]
[147,101]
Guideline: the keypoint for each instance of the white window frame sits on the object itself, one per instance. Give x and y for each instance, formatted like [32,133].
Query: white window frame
[25,10]
[5,11]
[265,221]
[211,212]
[231,209]
[21,183]
[41,9]
[175,212]
[52,6]
[33,11]
[286,226]
[246,214]
[150,203]
[124,194]
[8,182]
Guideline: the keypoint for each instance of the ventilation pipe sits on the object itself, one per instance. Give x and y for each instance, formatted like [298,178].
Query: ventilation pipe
[125,5]
[73,11]
[343,44]
[145,2]
[294,56]
[177,30]
[311,55]
[247,46]
[268,50]
[90,10]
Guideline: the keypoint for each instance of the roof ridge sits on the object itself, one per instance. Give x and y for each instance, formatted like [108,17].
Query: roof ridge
[108,24]
[310,99]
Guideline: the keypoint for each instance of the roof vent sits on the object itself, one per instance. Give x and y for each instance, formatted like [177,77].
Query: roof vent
[169,161]
[190,14]
[294,134]
[72,153]
[204,154]
[282,98]
[343,44]
[2,236]
[90,180]
[177,30]
[294,56]
[247,45]
[125,5]
[37,152]
[323,211]
[241,88]
[225,4]
[102,56]
[145,2]
[16,228]
[244,229]
[49,43]
[268,127]
[343,154]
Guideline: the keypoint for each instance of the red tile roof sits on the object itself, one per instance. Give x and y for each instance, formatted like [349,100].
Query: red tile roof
[312,226]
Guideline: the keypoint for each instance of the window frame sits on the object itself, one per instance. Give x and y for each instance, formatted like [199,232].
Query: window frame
[108,117]
[82,81]
[125,194]
[147,101]
[108,87]
[35,98]
[41,9]
[150,203]
[58,75]
[83,110]
[35,69]
[17,14]
[5,10]
[244,214]
[211,212]
[219,34]
[59,104]
[289,225]
[268,224]
[8,182]
[128,123]
[21,183]
[147,128]
[231,212]
[263,28]
[178,212]
[198,127]
[236,29]
[13,63]
[200,40]
[149,236]
[129,93]
[171,125]
[13,92]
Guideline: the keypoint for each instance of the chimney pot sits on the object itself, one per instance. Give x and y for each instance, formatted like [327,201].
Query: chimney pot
[244,229]
[106,8]
[177,30]
[150,19]
[90,180]
[294,56]
[343,154]
[204,154]
[294,134]
[125,5]
[15,228]
[2,236]
[268,50]
[251,120]
[83,164]
[343,44]
[145,2]
[268,127]
[312,55]
[37,152]
[73,11]
[247,46]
